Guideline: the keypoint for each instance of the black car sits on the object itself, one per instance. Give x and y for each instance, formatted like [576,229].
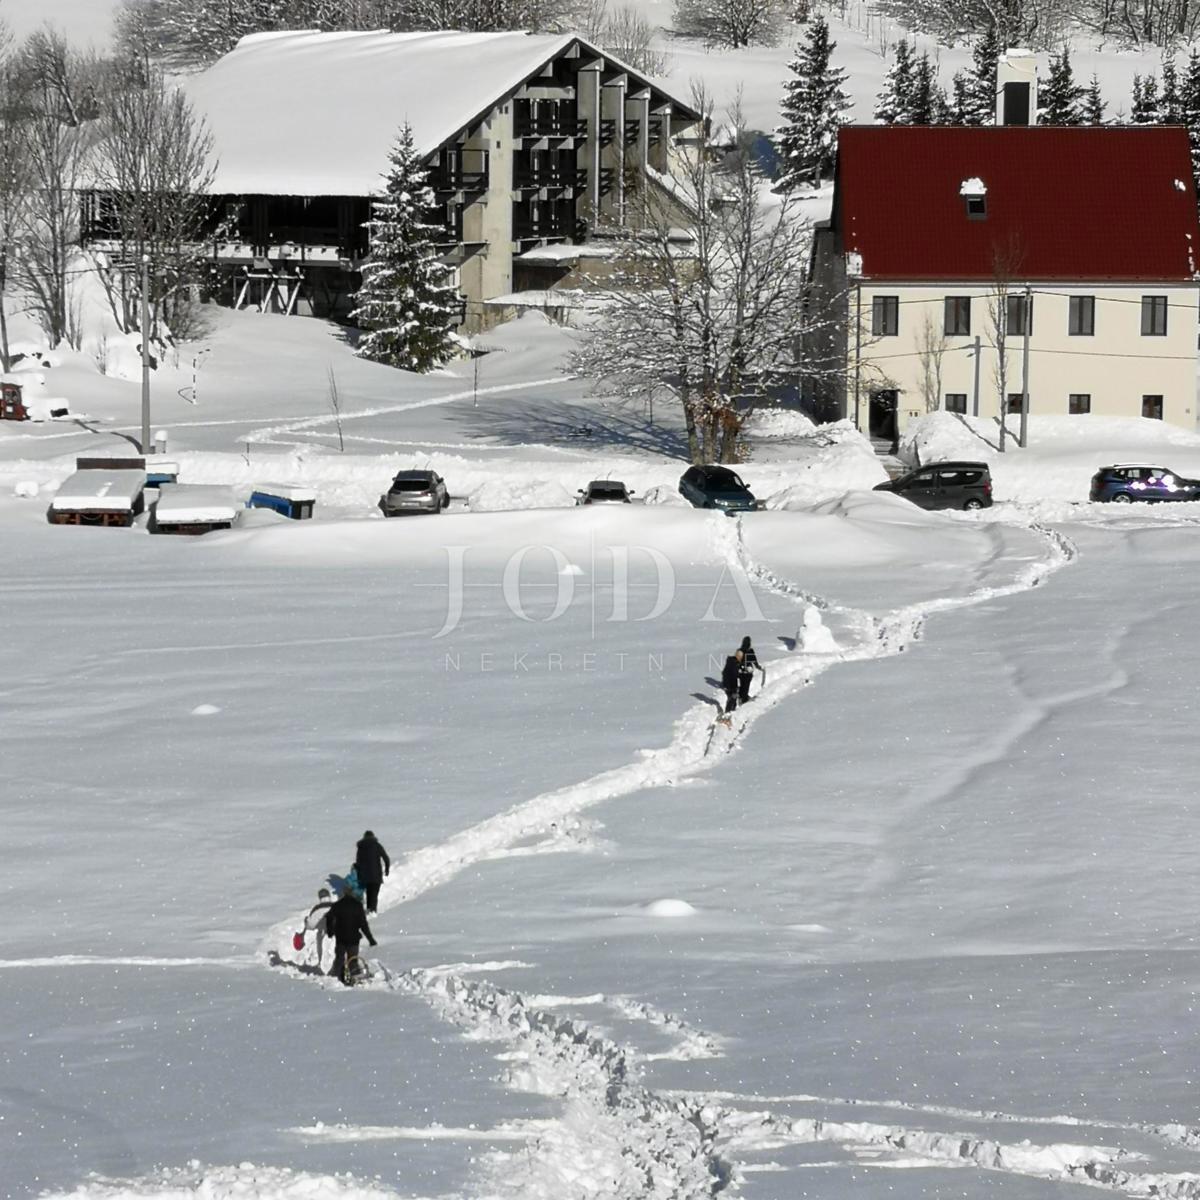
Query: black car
[716,487]
[945,485]
[1125,482]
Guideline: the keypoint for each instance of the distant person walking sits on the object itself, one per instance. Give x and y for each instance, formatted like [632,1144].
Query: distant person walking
[371,862]
[750,664]
[731,675]
[346,923]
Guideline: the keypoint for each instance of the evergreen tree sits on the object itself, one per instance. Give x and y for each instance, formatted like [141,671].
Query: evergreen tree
[1060,97]
[1170,103]
[920,110]
[405,303]
[1190,108]
[1093,104]
[960,99]
[895,100]
[815,105]
[980,81]
[1144,110]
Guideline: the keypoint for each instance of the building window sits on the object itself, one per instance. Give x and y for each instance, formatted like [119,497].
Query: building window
[1019,314]
[958,316]
[1082,319]
[1079,402]
[885,316]
[1014,402]
[976,208]
[956,402]
[1154,316]
[1152,406]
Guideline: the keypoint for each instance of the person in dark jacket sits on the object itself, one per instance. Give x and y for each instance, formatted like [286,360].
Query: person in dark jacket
[346,923]
[372,864]
[730,680]
[750,664]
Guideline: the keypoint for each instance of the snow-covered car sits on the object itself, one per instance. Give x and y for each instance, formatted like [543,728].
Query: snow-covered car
[605,491]
[415,492]
[1125,482]
[716,487]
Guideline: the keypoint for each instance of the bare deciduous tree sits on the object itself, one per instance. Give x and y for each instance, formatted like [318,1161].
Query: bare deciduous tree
[931,349]
[732,23]
[153,165]
[625,33]
[714,322]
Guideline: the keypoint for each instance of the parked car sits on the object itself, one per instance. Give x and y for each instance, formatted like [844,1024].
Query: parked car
[1125,482]
[945,485]
[415,492]
[605,491]
[716,487]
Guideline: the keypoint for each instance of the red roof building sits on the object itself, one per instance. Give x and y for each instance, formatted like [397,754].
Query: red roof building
[1095,202]
[1000,269]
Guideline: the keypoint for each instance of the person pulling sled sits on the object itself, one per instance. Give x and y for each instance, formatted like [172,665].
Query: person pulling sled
[749,665]
[346,923]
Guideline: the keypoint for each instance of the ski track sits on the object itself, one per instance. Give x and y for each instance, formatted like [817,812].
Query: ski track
[617,1138]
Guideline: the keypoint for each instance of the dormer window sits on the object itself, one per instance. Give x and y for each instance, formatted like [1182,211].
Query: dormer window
[974,194]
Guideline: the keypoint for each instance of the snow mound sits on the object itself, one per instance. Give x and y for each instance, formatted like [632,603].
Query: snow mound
[772,423]
[243,1182]
[815,637]
[664,493]
[205,710]
[835,458]
[25,489]
[669,908]
[502,495]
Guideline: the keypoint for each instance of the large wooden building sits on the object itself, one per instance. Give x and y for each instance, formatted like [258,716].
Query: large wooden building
[533,141]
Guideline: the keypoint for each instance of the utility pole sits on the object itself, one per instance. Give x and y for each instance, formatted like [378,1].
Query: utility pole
[1023,440]
[975,402]
[857,349]
[147,446]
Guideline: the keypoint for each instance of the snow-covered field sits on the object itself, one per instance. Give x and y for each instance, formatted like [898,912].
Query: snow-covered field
[919,924]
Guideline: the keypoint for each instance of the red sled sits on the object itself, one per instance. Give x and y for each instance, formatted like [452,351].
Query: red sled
[298,941]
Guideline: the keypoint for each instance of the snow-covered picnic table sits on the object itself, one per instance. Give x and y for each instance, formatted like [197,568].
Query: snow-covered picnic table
[98,497]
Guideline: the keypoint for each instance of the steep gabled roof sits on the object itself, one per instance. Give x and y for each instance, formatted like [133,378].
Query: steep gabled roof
[315,114]
[1090,204]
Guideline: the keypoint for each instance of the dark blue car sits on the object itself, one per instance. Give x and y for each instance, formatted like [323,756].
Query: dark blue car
[1123,483]
[716,487]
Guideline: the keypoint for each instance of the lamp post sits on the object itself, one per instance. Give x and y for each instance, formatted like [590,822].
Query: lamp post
[147,446]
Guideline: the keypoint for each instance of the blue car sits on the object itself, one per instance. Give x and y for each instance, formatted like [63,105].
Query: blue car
[1123,483]
[716,487]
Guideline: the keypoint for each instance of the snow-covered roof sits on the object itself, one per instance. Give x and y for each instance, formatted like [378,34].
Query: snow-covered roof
[539,298]
[972,187]
[558,252]
[196,505]
[99,491]
[297,492]
[315,114]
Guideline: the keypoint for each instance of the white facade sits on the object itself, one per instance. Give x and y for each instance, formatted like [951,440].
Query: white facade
[1122,350]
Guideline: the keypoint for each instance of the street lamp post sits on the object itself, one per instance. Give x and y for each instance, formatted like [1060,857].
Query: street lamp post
[147,446]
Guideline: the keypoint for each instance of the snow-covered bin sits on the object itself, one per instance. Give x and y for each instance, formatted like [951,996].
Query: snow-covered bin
[194,509]
[288,499]
[160,471]
[98,498]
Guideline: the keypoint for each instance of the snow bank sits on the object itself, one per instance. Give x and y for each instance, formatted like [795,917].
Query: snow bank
[500,494]
[779,423]
[243,1182]
[832,459]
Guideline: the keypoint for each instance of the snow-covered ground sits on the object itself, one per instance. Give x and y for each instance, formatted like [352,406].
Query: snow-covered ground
[919,923]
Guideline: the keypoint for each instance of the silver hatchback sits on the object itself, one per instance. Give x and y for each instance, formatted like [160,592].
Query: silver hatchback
[415,492]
